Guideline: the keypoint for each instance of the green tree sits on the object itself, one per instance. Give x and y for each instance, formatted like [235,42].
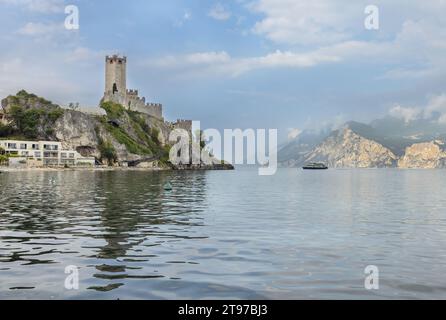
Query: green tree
[26,121]
[73,106]
[3,156]
[108,152]
[154,133]
[200,138]
[114,110]
[29,121]
[6,130]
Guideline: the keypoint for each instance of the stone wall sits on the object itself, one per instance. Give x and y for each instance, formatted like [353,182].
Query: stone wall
[183,124]
[151,109]
[116,98]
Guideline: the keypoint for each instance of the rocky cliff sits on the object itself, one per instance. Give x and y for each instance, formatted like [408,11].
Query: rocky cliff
[357,145]
[346,149]
[119,137]
[76,130]
[429,155]
[132,136]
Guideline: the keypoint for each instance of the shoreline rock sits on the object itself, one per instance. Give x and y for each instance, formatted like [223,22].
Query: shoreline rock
[104,169]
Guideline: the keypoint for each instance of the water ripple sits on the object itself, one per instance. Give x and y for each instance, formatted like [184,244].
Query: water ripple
[223,234]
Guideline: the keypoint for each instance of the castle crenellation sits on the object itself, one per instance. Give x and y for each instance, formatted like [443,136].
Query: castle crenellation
[116,89]
[183,124]
[133,92]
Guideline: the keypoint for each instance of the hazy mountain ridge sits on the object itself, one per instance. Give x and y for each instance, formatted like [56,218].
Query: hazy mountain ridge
[387,142]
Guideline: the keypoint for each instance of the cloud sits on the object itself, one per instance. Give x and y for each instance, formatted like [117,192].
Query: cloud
[222,63]
[306,22]
[406,114]
[412,42]
[40,6]
[59,74]
[415,50]
[187,15]
[83,54]
[436,105]
[218,12]
[39,29]
[185,18]
[325,22]
[435,110]
[182,61]
[293,133]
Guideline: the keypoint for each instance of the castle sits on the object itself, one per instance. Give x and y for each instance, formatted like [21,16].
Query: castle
[116,89]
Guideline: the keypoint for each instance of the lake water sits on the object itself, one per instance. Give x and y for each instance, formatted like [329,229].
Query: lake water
[223,234]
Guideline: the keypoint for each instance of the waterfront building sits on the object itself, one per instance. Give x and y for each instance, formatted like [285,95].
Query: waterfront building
[42,154]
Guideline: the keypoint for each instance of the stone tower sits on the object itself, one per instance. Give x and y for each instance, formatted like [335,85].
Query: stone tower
[116,75]
[116,89]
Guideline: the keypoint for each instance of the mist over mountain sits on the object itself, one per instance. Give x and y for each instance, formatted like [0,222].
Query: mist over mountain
[381,143]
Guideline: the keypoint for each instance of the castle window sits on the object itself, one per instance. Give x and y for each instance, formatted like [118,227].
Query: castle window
[115,88]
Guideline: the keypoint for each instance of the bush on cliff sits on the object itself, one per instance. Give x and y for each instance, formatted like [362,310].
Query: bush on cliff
[3,159]
[130,129]
[3,156]
[25,121]
[32,117]
[108,152]
[6,130]
[114,110]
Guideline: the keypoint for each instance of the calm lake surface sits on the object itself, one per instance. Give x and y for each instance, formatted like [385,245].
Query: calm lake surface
[229,235]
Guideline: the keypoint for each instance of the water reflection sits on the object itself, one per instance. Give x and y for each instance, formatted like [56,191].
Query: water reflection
[41,214]
[223,234]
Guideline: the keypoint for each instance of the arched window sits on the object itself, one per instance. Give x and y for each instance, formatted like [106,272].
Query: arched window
[115,88]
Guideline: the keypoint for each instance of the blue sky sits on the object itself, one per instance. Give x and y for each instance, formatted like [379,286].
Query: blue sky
[286,64]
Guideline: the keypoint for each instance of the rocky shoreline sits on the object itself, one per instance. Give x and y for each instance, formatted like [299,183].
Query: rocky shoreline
[221,167]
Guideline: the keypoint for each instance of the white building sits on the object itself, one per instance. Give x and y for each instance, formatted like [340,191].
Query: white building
[43,153]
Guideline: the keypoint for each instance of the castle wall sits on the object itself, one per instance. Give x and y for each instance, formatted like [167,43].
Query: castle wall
[134,101]
[183,124]
[116,98]
[151,109]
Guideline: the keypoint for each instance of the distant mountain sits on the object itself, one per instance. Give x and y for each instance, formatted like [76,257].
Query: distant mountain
[345,148]
[387,142]
[294,153]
